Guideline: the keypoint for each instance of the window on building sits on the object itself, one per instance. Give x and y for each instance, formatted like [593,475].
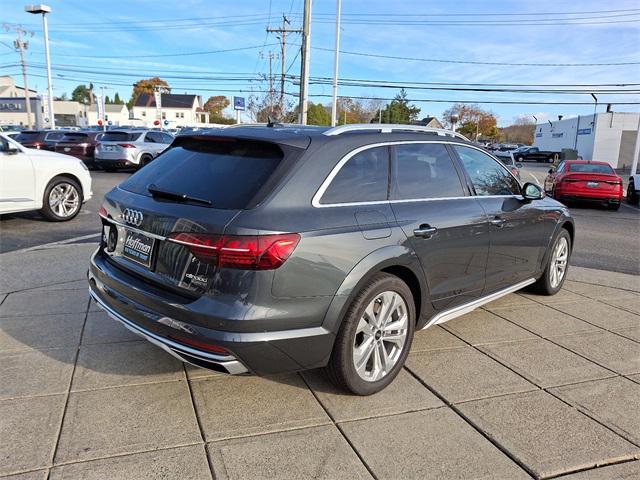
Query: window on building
[144,114]
[164,115]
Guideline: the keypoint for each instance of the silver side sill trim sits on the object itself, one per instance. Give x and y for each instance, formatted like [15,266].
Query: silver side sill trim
[234,367]
[460,310]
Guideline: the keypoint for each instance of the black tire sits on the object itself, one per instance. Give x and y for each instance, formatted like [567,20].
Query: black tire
[613,206]
[544,284]
[632,196]
[48,211]
[341,369]
[145,160]
[110,169]
[520,159]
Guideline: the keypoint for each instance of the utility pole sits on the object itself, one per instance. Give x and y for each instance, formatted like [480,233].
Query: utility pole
[270,56]
[21,46]
[306,50]
[334,102]
[283,53]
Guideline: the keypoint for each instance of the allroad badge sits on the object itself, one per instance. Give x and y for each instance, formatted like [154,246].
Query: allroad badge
[133,217]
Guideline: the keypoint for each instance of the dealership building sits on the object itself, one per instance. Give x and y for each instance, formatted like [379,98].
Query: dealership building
[604,137]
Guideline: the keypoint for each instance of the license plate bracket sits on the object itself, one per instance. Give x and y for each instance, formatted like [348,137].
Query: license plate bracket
[138,248]
[593,184]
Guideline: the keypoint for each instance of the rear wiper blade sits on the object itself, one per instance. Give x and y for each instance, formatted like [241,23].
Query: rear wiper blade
[180,197]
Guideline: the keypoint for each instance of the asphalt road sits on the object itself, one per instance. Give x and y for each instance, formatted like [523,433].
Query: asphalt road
[605,240]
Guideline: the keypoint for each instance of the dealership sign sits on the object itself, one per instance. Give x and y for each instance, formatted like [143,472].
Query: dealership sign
[11,106]
[584,131]
[238,103]
[557,135]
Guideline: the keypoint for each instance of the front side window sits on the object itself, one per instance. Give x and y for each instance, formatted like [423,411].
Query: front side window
[488,176]
[424,171]
[364,178]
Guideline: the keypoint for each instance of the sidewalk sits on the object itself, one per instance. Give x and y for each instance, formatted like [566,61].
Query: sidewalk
[528,387]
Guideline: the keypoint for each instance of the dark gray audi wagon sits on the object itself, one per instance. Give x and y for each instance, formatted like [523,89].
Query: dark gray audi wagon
[264,249]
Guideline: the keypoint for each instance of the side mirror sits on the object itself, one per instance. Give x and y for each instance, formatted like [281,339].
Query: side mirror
[531,191]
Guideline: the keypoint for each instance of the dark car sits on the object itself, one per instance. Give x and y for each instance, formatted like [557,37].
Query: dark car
[534,154]
[265,250]
[80,145]
[40,139]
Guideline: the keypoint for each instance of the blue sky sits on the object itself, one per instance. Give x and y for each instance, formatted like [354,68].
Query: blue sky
[187,26]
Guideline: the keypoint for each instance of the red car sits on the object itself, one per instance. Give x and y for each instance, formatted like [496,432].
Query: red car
[80,145]
[585,180]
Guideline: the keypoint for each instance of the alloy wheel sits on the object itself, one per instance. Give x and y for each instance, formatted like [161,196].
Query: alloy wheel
[64,200]
[380,336]
[559,261]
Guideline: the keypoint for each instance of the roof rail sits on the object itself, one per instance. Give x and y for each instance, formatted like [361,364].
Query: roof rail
[391,127]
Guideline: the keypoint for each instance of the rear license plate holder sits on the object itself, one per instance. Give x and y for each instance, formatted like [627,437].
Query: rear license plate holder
[138,248]
[593,184]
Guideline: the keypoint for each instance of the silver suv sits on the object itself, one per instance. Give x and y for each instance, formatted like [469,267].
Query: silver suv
[130,148]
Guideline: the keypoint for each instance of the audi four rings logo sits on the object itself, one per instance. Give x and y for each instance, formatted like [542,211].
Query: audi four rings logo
[133,217]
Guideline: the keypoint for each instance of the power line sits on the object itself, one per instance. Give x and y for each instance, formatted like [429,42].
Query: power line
[470,62]
[436,100]
[163,55]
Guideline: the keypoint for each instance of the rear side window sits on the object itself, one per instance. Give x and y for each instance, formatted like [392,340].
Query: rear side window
[120,136]
[229,173]
[364,178]
[424,171]
[488,176]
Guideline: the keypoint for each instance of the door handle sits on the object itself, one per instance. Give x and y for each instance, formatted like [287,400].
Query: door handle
[498,222]
[425,231]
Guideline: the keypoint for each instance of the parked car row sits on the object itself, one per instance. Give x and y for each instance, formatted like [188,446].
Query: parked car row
[109,150]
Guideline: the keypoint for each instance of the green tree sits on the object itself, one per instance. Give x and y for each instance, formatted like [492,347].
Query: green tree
[317,114]
[107,99]
[399,110]
[472,121]
[81,94]
[117,100]
[215,105]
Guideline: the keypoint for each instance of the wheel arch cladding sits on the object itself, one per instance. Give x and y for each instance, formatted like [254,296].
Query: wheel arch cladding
[570,228]
[407,276]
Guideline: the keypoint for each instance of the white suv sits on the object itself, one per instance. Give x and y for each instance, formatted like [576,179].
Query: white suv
[31,179]
[130,148]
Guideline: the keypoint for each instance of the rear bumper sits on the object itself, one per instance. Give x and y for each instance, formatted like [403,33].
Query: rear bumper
[588,195]
[148,312]
[119,163]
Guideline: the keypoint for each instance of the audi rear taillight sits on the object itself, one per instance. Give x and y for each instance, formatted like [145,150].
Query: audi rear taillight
[247,252]
[126,145]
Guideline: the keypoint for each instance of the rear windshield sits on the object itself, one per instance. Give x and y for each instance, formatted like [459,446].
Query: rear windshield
[120,136]
[227,172]
[75,137]
[26,136]
[590,168]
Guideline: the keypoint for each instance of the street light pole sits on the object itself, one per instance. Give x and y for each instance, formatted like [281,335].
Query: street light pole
[336,55]
[44,9]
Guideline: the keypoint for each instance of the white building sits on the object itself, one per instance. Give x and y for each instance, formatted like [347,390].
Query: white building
[610,138]
[177,109]
[114,113]
[13,110]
